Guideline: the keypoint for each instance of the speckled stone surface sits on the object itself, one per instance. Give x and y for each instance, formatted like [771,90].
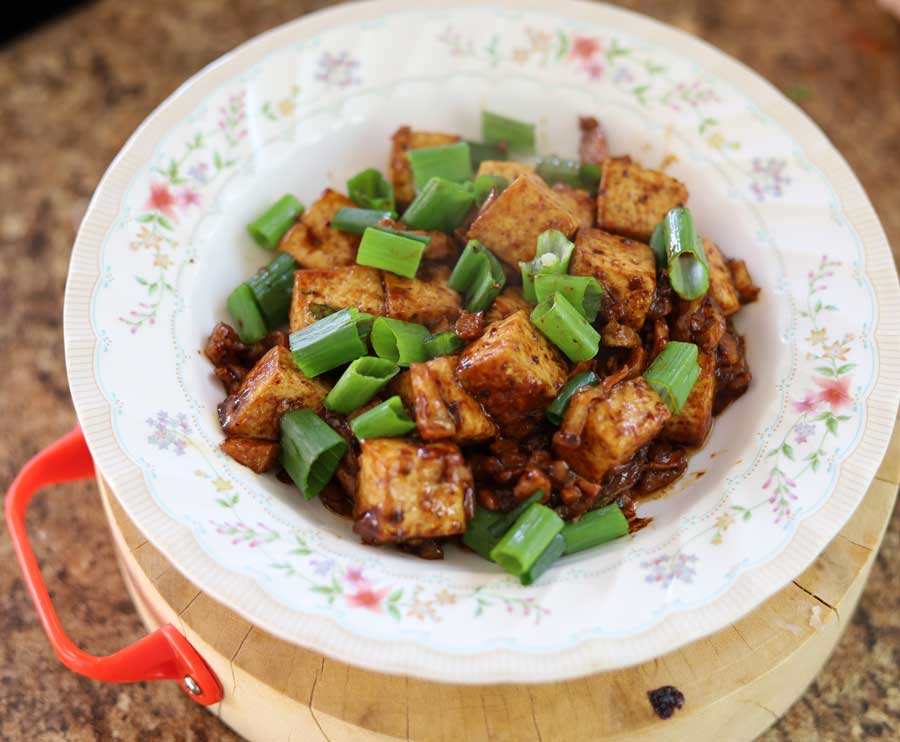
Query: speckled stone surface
[70,95]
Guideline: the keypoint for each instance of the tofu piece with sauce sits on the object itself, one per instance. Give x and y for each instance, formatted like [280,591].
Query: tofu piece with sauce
[403,140]
[508,302]
[514,372]
[631,200]
[318,292]
[580,202]
[272,387]
[511,224]
[692,425]
[426,300]
[411,491]
[443,408]
[615,428]
[721,283]
[314,243]
[625,268]
[507,168]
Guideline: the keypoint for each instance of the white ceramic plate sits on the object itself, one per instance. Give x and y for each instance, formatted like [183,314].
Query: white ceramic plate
[312,102]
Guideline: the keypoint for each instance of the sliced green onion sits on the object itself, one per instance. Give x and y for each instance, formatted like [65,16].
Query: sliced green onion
[547,559]
[269,228]
[440,206]
[479,536]
[423,238]
[658,245]
[590,173]
[272,287]
[686,258]
[355,221]
[557,409]
[554,242]
[566,328]
[555,169]
[507,520]
[484,184]
[518,136]
[361,381]
[390,251]
[583,292]
[479,276]
[370,190]
[331,342]
[594,528]
[468,266]
[444,344]
[673,374]
[246,314]
[310,450]
[479,152]
[520,548]
[451,162]
[387,420]
[552,256]
[399,342]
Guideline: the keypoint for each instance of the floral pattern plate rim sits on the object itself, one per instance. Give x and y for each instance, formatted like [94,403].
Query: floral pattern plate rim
[780,475]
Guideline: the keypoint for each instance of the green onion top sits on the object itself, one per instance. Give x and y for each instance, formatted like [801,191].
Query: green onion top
[479,152]
[330,342]
[489,526]
[399,342]
[484,184]
[370,190]
[673,374]
[686,257]
[560,404]
[479,276]
[387,420]
[390,251]
[272,287]
[361,381]
[268,229]
[549,556]
[566,328]
[355,221]
[520,548]
[594,528]
[518,136]
[310,450]
[450,161]
[246,314]
[444,344]
[583,292]
[572,173]
[659,246]
[441,206]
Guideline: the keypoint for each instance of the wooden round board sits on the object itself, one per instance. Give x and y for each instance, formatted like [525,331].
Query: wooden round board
[735,682]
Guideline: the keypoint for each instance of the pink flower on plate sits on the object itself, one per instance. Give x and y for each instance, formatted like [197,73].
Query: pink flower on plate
[835,392]
[354,575]
[162,199]
[367,598]
[188,197]
[808,403]
[594,70]
[584,47]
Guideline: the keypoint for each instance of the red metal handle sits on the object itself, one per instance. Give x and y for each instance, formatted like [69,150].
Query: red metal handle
[163,655]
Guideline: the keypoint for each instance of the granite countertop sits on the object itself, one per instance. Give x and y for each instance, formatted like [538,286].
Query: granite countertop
[72,93]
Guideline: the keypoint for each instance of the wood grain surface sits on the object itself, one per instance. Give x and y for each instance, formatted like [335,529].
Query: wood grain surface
[70,95]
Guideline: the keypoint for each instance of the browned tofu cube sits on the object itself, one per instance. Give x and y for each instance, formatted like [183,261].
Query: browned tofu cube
[314,243]
[318,292]
[580,202]
[616,427]
[509,302]
[427,300]
[632,200]
[411,491]
[627,269]
[443,409]
[405,139]
[721,284]
[514,372]
[274,386]
[511,224]
[253,453]
[507,168]
[692,425]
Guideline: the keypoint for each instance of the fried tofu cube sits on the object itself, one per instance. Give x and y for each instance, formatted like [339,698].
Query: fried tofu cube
[692,425]
[580,202]
[626,268]
[507,168]
[632,200]
[509,302]
[426,301]
[274,386]
[721,284]
[514,372]
[615,428]
[511,224]
[318,292]
[255,454]
[443,409]
[405,139]
[411,491]
[314,243]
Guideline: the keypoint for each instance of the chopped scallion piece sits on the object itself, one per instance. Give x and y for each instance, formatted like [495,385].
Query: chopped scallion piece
[310,450]
[355,221]
[583,292]
[361,381]
[557,409]
[685,255]
[423,238]
[566,328]
[506,520]
[390,251]
[520,548]
[272,287]
[444,344]
[518,136]
[484,184]
[370,190]
[479,536]
[594,528]
[269,228]
[555,169]
[399,342]
[590,174]
[554,242]
[387,420]
[547,559]
[440,206]
[451,162]
[479,152]
[658,245]
[479,276]
[673,374]
[331,342]
[246,314]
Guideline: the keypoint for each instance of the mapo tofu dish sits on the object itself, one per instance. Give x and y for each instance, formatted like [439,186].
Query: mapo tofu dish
[483,350]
